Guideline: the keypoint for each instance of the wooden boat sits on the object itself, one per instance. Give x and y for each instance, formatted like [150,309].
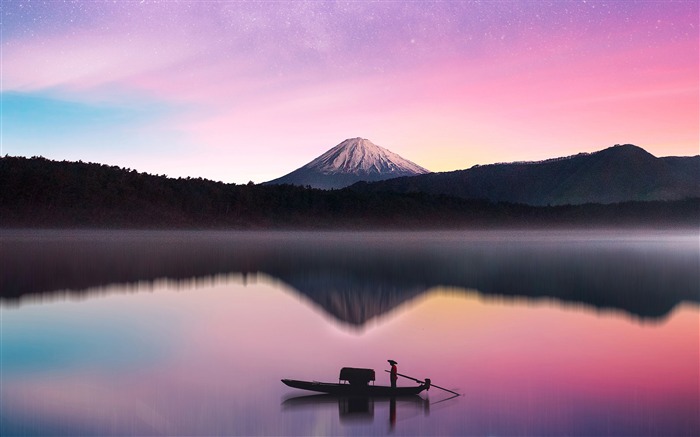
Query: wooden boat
[357,383]
[354,389]
[316,399]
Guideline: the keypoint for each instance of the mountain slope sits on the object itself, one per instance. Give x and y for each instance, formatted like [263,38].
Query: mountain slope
[353,160]
[620,173]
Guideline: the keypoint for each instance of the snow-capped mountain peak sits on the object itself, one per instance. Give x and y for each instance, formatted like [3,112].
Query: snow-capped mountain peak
[361,156]
[353,160]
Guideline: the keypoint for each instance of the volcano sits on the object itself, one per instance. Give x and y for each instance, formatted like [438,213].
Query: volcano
[353,160]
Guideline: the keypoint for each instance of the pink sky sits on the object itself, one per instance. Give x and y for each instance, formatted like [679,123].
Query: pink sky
[239,91]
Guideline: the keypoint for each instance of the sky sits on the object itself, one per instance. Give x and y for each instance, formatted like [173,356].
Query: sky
[238,91]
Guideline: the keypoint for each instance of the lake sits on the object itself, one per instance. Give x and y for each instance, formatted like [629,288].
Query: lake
[189,333]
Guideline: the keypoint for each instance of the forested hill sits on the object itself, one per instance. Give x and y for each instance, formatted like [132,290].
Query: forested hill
[622,173]
[37,192]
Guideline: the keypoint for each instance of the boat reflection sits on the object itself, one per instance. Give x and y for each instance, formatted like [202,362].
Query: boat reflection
[353,409]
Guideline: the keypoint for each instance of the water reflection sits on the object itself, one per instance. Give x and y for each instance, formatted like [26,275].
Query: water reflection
[352,409]
[358,277]
[209,362]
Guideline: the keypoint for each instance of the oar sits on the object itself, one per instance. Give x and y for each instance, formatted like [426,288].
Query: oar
[423,382]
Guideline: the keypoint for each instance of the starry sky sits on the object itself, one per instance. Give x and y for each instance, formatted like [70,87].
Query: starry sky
[237,91]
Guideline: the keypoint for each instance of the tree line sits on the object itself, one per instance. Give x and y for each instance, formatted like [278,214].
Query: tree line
[37,192]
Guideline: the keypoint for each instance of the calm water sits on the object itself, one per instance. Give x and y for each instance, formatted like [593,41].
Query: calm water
[189,333]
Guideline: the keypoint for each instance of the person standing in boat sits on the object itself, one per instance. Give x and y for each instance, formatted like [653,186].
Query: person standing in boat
[393,374]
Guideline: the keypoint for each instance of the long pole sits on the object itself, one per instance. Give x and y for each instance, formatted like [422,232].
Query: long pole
[423,382]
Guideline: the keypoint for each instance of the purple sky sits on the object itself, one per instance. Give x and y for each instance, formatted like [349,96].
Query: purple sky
[239,91]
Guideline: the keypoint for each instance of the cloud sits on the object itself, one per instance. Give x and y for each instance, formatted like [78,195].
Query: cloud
[82,62]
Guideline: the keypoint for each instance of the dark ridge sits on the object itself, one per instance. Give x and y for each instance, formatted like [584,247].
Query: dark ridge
[622,173]
[41,193]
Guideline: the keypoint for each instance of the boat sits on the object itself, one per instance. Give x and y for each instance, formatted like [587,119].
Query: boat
[356,382]
[316,399]
[354,389]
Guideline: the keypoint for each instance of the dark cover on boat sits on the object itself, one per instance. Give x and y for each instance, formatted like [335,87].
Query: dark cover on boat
[356,376]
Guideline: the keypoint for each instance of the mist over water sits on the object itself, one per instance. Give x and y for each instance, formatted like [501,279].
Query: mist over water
[189,333]
[358,276]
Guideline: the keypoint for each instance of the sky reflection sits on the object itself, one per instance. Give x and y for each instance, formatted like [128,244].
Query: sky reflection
[208,360]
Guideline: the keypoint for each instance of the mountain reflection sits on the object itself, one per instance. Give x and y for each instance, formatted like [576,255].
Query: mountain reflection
[357,277]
